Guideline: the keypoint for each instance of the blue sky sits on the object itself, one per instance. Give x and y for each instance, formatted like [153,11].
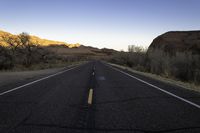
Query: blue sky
[99,23]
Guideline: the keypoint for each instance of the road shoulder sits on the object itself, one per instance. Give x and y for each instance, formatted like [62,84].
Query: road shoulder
[11,78]
[173,82]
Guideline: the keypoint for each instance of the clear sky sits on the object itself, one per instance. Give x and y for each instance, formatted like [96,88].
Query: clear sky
[99,23]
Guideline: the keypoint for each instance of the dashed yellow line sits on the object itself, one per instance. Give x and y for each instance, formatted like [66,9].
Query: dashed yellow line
[90,96]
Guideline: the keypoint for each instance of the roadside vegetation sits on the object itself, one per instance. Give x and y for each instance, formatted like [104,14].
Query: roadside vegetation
[183,66]
[19,52]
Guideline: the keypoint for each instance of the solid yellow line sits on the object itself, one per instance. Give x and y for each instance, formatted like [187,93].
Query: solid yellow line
[90,96]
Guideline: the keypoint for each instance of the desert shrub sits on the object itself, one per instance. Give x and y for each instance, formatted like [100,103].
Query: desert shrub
[120,58]
[197,76]
[6,60]
[180,66]
[135,58]
[183,66]
[196,68]
[158,62]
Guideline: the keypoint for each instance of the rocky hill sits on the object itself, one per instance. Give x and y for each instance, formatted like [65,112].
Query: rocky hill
[37,40]
[63,48]
[177,41]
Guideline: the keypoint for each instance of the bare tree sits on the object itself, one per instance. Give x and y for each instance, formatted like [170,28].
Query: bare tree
[27,47]
[12,43]
[135,49]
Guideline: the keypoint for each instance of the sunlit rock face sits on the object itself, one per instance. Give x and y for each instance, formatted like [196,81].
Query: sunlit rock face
[177,41]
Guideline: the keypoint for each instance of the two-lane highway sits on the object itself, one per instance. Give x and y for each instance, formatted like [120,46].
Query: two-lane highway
[96,97]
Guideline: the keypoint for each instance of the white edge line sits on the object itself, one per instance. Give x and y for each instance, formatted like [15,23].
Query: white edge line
[30,83]
[158,88]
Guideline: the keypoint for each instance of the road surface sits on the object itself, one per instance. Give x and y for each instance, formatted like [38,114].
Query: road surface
[98,98]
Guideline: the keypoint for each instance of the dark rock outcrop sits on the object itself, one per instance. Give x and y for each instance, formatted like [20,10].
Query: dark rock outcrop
[177,41]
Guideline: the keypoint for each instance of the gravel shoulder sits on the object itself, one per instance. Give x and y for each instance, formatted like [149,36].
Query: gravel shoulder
[13,77]
[9,77]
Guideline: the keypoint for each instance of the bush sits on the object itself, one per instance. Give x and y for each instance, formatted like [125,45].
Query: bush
[135,58]
[6,60]
[184,66]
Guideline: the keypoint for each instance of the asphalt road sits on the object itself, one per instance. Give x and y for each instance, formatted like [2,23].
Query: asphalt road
[97,98]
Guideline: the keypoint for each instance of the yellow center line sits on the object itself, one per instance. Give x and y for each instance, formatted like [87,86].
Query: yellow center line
[90,96]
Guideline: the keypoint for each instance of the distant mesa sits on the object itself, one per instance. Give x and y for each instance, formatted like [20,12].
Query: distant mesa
[177,41]
[38,41]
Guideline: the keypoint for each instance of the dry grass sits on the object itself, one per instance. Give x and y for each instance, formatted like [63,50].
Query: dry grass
[189,86]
